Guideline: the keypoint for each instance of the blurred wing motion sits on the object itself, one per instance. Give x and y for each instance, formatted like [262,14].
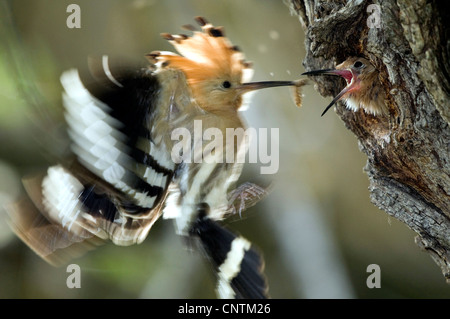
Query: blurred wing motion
[50,241]
[115,187]
[122,176]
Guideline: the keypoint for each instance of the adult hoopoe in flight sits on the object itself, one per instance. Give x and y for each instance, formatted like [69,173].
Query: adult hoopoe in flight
[124,173]
[363,89]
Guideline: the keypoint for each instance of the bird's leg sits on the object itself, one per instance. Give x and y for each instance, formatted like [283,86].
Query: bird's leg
[244,196]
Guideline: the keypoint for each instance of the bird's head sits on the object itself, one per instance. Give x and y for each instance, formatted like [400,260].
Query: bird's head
[363,88]
[214,68]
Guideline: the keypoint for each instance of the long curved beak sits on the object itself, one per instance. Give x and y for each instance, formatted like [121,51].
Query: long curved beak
[336,98]
[251,86]
[346,74]
[318,72]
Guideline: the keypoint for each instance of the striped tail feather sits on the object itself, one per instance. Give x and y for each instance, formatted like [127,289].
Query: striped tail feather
[238,266]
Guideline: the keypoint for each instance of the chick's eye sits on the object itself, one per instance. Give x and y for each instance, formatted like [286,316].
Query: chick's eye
[358,65]
[226,84]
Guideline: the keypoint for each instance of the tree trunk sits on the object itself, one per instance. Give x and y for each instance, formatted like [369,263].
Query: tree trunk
[408,150]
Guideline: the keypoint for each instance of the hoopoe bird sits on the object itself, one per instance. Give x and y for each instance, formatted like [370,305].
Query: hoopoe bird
[124,173]
[363,88]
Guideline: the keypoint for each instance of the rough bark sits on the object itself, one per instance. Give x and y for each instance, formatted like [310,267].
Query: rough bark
[408,150]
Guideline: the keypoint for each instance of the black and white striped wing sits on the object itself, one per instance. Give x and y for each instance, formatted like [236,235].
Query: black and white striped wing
[109,122]
[116,186]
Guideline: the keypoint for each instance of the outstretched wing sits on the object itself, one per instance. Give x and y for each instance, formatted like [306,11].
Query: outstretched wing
[115,186]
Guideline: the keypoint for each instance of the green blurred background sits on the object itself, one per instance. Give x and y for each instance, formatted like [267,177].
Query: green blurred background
[317,229]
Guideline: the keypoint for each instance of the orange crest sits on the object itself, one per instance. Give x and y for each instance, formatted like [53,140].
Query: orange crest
[215,70]
[204,56]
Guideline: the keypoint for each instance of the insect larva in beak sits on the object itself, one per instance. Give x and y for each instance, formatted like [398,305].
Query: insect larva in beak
[297,91]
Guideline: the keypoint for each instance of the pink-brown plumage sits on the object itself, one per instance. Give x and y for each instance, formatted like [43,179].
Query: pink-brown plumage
[363,90]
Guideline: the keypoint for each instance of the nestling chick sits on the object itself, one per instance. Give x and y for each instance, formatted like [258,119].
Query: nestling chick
[363,88]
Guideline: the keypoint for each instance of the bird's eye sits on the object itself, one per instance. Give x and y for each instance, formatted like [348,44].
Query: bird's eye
[358,65]
[226,84]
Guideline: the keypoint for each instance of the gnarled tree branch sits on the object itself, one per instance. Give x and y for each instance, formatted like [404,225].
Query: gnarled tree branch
[407,150]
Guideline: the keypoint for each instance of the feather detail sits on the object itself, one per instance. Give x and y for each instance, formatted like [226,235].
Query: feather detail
[207,58]
[205,53]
